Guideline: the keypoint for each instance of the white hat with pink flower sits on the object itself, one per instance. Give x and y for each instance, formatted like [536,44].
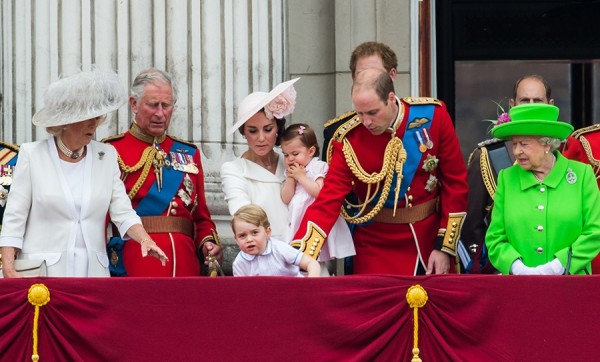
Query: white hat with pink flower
[277,104]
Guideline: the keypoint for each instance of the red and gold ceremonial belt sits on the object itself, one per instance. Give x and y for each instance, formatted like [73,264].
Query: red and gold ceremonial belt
[165,224]
[406,215]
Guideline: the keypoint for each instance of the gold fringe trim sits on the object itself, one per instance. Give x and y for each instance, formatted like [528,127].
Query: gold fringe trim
[38,296]
[145,162]
[486,172]
[393,162]
[416,296]
[592,160]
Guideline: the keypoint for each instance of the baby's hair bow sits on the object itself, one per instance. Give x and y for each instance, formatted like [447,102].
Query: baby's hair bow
[301,130]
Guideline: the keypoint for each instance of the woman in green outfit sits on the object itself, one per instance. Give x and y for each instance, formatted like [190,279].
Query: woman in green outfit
[546,216]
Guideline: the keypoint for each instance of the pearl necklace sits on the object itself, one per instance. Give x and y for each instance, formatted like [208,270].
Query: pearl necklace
[67,152]
[551,167]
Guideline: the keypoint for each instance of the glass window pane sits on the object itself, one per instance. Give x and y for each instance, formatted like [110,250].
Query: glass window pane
[481,83]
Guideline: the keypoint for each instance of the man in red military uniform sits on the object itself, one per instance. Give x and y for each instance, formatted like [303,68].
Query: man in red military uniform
[164,179]
[584,145]
[403,161]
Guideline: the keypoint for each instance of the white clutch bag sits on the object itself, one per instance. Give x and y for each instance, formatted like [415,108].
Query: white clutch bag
[30,268]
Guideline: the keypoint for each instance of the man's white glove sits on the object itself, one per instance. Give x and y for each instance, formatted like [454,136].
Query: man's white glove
[518,268]
[553,267]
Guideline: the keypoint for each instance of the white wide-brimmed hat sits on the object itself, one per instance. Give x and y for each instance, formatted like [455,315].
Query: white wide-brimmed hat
[256,101]
[80,97]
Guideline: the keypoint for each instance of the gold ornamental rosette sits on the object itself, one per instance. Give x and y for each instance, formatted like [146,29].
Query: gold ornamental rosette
[416,296]
[38,296]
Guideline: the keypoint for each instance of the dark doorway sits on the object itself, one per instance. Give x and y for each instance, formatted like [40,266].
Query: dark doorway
[483,47]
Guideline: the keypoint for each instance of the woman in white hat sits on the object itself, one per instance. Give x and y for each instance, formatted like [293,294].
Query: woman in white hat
[256,176]
[64,186]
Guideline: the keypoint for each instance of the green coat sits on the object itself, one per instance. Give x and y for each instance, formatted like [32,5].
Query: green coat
[540,222]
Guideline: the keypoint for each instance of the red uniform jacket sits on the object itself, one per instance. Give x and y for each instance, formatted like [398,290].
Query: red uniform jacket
[187,202]
[584,146]
[395,248]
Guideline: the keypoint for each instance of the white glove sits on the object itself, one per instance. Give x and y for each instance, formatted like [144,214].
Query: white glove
[553,267]
[518,268]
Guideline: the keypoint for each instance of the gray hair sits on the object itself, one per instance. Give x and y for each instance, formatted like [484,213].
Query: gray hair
[554,143]
[151,76]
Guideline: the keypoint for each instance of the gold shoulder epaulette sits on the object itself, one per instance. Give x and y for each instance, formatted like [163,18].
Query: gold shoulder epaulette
[113,138]
[585,130]
[346,127]
[10,146]
[184,141]
[344,116]
[422,100]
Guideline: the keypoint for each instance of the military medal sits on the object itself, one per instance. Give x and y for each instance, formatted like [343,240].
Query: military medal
[422,147]
[192,168]
[431,183]
[3,196]
[430,163]
[428,141]
[6,175]
[185,197]
[189,185]
[571,176]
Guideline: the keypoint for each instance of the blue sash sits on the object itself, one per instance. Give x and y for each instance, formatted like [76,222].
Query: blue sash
[155,202]
[413,155]
[13,161]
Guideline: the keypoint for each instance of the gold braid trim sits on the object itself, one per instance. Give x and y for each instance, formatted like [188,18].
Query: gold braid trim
[337,119]
[145,161]
[342,131]
[393,161]
[588,152]
[9,146]
[486,172]
[584,130]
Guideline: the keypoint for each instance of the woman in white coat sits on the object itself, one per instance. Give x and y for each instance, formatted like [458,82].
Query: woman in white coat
[64,186]
[256,176]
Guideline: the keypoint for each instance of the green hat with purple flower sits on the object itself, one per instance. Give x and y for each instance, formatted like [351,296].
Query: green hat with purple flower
[533,119]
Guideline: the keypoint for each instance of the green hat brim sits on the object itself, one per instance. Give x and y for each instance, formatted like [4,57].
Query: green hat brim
[560,130]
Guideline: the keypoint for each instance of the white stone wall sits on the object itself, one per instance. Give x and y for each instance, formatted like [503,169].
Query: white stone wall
[218,51]
[322,36]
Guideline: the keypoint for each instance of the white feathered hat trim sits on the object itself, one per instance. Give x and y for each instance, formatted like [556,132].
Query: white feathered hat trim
[80,97]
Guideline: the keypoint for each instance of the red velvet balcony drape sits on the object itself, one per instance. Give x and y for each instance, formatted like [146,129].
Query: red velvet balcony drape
[353,318]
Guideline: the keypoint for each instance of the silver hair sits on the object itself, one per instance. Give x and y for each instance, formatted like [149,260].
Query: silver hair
[554,143]
[151,76]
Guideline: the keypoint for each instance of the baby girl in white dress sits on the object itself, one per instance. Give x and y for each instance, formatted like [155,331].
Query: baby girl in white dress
[304,180]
